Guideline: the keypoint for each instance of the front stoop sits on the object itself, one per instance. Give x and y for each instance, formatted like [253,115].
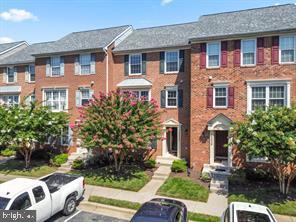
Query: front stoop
[219,181]
[166,160]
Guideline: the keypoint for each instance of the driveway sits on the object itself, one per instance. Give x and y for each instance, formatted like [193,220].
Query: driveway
[80,216]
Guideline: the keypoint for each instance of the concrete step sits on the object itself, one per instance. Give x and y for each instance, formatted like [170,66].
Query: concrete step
[165,161]
[156,177]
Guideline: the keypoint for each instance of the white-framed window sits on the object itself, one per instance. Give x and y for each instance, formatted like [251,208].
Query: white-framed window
[85,60]
[56,99]
[135,64]
[287,49]
[213,54]
[171,97]
[12,99]
[85,96]
[171,61]
[65,136]
[220,96]
[248,52]
[31,73]
[265,94]
[56,66]
[11,75]
[141,94]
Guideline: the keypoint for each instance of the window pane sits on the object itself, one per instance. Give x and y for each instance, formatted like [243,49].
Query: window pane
[38,194]
[287,55]
[172,61]
[213,48]
[220,92]
[10,74]
[55,61]
[287,43]
[85,59]
[258,103]
[32,73]
[248,46]
[276,102]
[55,71]
[258,92]
[135,69]
[276,92]
[172,98]
[248,58]
[220,101]
[145,94]
[85,69]
[22,202]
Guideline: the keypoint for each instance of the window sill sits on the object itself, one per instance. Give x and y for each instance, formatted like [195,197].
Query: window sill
[11,83]
[220,108]
[248,66]
[213,68]
[54,76]
[287,63]
[171,107]
[85,74]
[135,74]
[171,73]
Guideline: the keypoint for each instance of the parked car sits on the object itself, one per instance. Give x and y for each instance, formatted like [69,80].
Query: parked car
[247,212]
[161,210]
[48,196]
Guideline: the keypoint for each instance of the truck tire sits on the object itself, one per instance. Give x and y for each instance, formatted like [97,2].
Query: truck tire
[70,206]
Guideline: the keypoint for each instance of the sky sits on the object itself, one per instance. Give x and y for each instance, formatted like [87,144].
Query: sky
[48,20]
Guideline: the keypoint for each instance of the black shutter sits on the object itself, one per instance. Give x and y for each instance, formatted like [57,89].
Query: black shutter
[144,55]
[181,60]
[161,60]
[180,98]
[162,98]
[126,65]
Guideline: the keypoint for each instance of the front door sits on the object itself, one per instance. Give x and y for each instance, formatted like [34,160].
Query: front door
[172,140]
[221,152]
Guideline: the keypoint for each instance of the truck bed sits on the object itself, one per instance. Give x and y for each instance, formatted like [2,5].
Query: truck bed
[56,180]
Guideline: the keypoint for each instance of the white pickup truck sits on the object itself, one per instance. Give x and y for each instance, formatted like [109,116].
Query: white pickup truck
[48,196]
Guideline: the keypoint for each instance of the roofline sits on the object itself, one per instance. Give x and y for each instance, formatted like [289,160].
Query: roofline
[233,36]
[91,30]
[156,49]
[17,63]
[161,26]
[130,27]
[72,52]
[11,48]
[249,9]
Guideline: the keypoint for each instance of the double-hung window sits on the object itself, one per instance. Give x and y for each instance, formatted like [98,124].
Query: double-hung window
[172,97]
[10,99]
[56,99]
[135,64]
[288,49]
[85,96]
[85,61]
[31,73]
[248,52]
[213,54]
[171,61]
[55,66]
[268,94]
[220,96]
[11,78]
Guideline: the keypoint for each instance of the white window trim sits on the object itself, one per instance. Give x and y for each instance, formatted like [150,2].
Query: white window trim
[207,55]
[14,80]
[51,66]
[139,90]
[84,74]
[13,99]
[69,137]
[214,95]
[257,159]
[80,90]
[242,53]
[51,89]
[129,64]
[280,49]
[29,70]
[165,62]
[267,84]
[171,88]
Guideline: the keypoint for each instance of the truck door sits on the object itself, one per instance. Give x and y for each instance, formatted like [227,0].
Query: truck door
[42,203]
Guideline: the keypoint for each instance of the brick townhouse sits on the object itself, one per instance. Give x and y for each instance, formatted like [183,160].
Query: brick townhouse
[204,75]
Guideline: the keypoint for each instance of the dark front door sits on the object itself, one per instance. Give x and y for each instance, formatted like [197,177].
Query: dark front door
[221,138]
[172,140]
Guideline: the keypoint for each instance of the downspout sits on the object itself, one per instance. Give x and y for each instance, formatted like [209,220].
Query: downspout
[107,69]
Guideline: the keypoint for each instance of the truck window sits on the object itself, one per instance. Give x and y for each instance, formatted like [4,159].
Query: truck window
[3,202]
[245,216]
[38,194]
[22,202]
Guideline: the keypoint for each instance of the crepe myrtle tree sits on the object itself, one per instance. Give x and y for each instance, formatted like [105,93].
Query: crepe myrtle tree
[119,123]
[270,133]
[27,126]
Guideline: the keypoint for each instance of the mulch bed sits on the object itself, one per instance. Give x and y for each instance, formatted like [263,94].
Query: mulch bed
[194,176]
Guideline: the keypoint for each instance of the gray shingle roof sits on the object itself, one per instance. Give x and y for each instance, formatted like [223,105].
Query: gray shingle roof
[24,56]
[85,40]
[157,37]
[258,20]
[6,46]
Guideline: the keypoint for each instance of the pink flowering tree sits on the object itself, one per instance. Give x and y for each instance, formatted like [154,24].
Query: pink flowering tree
[119,123]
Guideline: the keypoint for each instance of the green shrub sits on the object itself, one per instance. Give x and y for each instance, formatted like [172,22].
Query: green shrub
[179,166]
[7,152]
[258,174]
[237,176]
[78,164]
[150,164]
[60,159]
[205,177]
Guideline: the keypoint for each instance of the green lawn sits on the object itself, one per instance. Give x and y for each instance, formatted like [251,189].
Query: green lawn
[267,196]
[135,206]
[130,178]
[16,167]
[184,189]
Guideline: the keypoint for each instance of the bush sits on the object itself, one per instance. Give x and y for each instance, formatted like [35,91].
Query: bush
[60,159]
[7,152]
[258,174]
[238,177]
[150,164]
[78,164]
[179,166]
[205,177]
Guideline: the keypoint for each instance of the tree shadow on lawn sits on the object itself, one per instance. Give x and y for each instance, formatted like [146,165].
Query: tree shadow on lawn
[108,173]
[17,165]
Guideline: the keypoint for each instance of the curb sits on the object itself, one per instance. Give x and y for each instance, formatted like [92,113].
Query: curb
[107,210]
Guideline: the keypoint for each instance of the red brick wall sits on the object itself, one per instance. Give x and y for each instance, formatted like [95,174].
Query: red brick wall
[159,81]
[71,81]
[27,88]
[200,114]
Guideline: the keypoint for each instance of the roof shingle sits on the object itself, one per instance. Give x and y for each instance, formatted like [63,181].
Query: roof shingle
[6,46]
